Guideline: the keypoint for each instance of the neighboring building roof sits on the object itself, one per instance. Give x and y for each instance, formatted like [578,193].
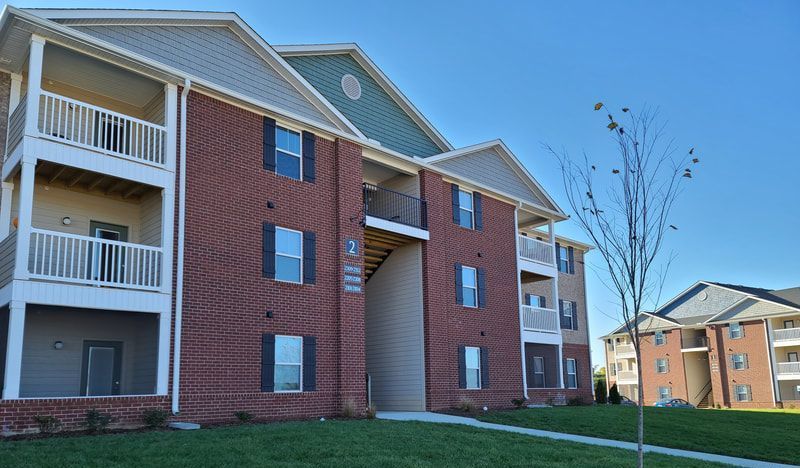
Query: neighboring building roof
[647,321]
[766,294]
[382,112]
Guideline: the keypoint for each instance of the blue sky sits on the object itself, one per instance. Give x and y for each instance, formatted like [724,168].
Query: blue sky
[723,73]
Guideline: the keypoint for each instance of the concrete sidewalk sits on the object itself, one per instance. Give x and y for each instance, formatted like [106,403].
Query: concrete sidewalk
[448,419]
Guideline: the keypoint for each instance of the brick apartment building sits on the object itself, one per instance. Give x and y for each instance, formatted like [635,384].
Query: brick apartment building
[194,220]
[714,345]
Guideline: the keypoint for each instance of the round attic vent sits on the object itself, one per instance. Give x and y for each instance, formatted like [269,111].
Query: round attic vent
[702,296]
[351,86]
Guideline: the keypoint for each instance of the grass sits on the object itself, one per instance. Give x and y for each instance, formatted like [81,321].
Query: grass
[761,435]
[330,443]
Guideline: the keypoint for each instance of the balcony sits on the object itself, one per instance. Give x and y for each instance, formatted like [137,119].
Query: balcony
[537,256]
[540,319]
[395,211]
[625,351]
[786,337]
[86,126]
[694,343]
[788,370]
[627,377]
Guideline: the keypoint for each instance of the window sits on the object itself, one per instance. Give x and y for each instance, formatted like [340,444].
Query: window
[469,286]
[792,357]
[466,209]
[661,338]
[742,392]
[473,367]
[563,259]
[788,324]
[664,392]
[288,363]
[613,368]
[288,255]
[568,318]
[536,301]
[572,374]
[739,361]
[735,330]
[662,365]
[538,372]
[288,154]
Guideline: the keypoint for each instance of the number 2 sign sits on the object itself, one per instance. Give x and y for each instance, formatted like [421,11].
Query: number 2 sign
[351,247]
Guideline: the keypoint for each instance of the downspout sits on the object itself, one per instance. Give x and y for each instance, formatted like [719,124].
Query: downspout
[176,360]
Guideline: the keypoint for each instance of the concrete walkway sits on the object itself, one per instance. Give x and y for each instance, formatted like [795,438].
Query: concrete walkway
[448,419]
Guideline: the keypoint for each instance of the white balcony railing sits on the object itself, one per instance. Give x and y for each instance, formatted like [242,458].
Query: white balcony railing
[540,319]
[536,250]
[80,124]
[788,368]
[625,351]
[628,376]
[786,334]
[88,260]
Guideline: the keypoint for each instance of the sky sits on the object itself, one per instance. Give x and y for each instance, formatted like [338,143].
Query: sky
[723,74]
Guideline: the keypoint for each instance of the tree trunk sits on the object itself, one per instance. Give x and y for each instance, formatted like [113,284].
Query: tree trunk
[640,412]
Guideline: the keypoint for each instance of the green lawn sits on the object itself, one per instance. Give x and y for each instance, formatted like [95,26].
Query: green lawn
[329,443]
[768,435]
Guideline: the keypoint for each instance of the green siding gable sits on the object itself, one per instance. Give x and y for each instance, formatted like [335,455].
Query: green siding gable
[375,113]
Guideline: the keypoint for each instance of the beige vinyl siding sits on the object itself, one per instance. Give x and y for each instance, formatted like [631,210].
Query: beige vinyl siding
[150,212]
[8,249]
[154,110]
[402,183]
[48,372]
[752,308]
[394,331]
[697,375]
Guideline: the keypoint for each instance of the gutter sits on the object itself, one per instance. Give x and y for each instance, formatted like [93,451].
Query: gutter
[176,360]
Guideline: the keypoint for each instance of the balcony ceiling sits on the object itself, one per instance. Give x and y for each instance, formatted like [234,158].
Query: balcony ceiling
[49,173]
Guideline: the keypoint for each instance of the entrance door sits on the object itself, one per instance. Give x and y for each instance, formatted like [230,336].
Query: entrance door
[109,260]
[102,366]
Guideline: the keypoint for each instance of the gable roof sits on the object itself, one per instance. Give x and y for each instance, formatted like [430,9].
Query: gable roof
[760,293]
[495,165]
[374,72]
[647,321]
[159,35]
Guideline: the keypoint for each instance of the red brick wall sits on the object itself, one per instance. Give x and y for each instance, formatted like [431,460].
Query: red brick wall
[675,378]
[225,296]
[447,324]
[585,385]
[757,375]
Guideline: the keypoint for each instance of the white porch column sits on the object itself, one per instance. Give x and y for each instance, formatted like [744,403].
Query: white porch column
[520,302]
[776,385]
[6,193]
[28,169]
[16,92]
[171,122]
[162,375]
[556,303]
[34,84]
[16,331]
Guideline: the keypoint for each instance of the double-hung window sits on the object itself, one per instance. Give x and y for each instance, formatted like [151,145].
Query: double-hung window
[472,360]
[466,209]
[288,156]
[568,315]
[288,255]
[572,373]
[288,363]
[664,392]
[788,324]
[613,367]
[662,365]
[535,301]
[742,392]
[469,286]
[735,330]
[660,338]
[739,361]
[538,372]
[563,259]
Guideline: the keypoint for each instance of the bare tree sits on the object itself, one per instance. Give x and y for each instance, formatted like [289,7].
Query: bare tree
[623,204]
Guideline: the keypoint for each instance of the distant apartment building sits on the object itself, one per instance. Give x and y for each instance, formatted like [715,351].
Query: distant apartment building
[714,344]
[195,220]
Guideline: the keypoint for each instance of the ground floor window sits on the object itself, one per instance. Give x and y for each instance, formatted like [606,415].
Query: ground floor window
[664,392]
[538,372]
[572,373]
[288,363]
[742,393]
[472,360]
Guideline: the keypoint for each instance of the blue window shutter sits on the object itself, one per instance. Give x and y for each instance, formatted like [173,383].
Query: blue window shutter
[309,157]
[309,257]
[477,206]
[459,285]
[574,315]
[267,363]
[456,205]
[481,288]
[484,367]
[571,252]
[309,363]
[564,324]
[269,144]
[542,302]
[462,367]
[558,256]
[268,251]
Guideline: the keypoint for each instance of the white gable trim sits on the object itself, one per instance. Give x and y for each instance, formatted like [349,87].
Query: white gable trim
[204,19]
[375,72]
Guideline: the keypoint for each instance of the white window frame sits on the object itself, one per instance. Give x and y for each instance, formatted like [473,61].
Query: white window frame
[742,360]
[613,368]
[464,287]
[790,321]
[566,306]
[538,300]
[747,394]
[656,338]
[658,365]
[278,228]
[563,256]
[276,364]
[299,156]
[738,329]
[574,372]
[544,375]
[467,349]
[661,395]
[471,211]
